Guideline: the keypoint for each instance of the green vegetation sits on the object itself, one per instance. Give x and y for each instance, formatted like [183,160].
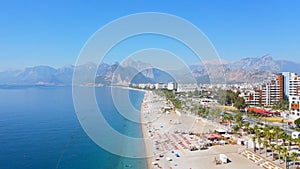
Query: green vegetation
[203,112]
[297,122]
[229,97]
[266,136]
[240,103]
[171,96]
[281,105]
[262,134]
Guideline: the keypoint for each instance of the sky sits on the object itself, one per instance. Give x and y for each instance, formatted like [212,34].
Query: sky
[53,32]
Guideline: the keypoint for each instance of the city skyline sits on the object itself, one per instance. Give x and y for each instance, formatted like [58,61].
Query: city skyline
[53,33]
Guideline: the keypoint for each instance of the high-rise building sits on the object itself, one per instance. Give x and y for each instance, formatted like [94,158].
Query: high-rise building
[294,102]
[291,83]
[294,85]
[267,94]
[286,80]
[285,86]
[294,95]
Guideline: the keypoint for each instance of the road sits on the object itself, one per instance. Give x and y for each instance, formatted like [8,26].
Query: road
[285,127]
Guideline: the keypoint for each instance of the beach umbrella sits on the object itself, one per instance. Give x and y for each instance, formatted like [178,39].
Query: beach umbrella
[214,136]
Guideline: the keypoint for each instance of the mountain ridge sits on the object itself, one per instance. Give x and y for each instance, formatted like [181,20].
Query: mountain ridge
[246,70]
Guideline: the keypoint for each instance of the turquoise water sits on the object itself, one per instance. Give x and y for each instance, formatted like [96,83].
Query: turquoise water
[39,130]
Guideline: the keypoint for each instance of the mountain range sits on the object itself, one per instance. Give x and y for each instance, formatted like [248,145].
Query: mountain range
[249,70]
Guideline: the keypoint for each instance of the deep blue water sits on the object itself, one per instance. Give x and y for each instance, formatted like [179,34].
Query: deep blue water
[39,130]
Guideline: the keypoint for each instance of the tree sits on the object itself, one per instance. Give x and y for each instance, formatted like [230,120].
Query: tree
[266,145]
[282,105]
[236,128]
[278,133]
[285,154]
[171,96]
[269,134]
[273,148]
[279,151]
[259,140]
[240,103]
[290,140]
[294,157]
[297,141]
[247,125]
[254,143]
[297,122]
[202,112]
[239,119]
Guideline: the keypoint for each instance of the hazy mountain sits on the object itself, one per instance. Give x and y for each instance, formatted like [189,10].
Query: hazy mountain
[131,72]
[249,70]
[263,63]
[114,74]
[288,66]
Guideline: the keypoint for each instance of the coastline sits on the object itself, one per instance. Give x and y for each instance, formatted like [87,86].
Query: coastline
[164,144]
[144,130]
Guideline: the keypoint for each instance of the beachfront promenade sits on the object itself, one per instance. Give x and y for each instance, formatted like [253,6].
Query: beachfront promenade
[169,143]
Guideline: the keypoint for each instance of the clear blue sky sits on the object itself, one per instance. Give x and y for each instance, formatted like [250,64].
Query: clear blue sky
[53,32]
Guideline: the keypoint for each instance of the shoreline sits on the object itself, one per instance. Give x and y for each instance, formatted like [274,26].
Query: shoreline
[169,139]
[144,130]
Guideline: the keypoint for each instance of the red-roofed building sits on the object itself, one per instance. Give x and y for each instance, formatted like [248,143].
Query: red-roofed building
[262,111]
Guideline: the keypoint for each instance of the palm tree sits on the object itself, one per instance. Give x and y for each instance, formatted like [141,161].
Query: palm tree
[246,125]
[294,157]
[259,143]
[277,131]
[285,154]
[238,119]
[272,146]
[266,145]
[236,129]
[255,128]
[282,135]
[279,151]
[290,140]
[297,141]
[254,142]
[251,130]
[269,133]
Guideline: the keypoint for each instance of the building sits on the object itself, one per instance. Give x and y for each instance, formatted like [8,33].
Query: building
[253,97]
[293,94]
[285,86]
[286,76]
[160,86]
[273,91]
[294,102]
[266,94]
[187,87]
[172,86]
[294,85]
[291,84]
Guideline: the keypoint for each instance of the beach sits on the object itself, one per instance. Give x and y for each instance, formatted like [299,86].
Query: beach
[168,139]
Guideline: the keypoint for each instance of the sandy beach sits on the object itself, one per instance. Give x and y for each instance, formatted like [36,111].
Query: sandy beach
[168,142]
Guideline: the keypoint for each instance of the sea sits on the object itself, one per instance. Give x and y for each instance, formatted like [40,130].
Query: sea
[39,129]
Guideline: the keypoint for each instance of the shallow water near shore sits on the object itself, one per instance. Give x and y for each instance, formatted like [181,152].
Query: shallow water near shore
[39,129]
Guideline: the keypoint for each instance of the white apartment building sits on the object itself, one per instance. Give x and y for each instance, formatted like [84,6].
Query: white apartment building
[187,87]
[294,102]
[172,86]
[271,93]
[160,86]
[252,97]
[266,94]
[294,95]
[294,85]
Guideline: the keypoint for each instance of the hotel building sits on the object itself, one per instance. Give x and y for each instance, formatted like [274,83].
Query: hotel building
[285,86]
[294,95]
[266,94]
